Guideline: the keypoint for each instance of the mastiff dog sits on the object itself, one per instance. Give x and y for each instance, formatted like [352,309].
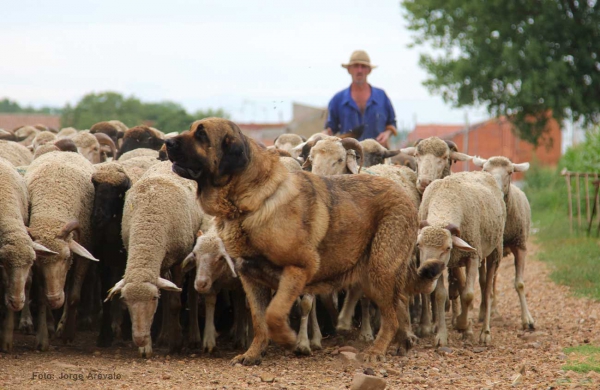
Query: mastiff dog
[300,232]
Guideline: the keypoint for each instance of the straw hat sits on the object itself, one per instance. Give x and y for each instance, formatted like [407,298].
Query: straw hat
[359,57]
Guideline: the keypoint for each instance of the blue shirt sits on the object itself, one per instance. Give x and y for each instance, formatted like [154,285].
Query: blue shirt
[344,114]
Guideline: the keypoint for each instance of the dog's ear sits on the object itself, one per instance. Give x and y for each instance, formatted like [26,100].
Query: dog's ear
[236,154]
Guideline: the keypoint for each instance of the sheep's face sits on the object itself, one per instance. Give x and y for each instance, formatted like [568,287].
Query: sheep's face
[288,142]
[501,169]
[437,242]
[328,157]
[14,280]
[141,300]
[375,153]
[54,270]
[211,261]
[92,153]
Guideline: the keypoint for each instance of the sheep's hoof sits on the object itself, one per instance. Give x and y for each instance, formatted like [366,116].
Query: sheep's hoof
[424,331]
[145,352]
[26,326]
[246,360]
[303,350]
[6,345]
[467,335]
[485,338]
[367,337]
[315,345]
[42,344]
[441,339]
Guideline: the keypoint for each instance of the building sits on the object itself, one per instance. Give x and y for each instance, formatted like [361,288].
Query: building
[13,121]
[495,137]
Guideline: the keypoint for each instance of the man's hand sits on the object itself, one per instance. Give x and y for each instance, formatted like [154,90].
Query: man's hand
[384,137]
[327,131]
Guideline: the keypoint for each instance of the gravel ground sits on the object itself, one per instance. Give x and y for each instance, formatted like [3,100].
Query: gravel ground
[516,358]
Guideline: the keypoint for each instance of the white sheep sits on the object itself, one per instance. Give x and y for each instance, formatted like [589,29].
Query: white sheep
[17,249]
[288,143]
[42,138]
[160,221]
[518,222]
[26,134]
[17,154]
[61,198]
[89,145]
[462,223]
[138,153]
[67,132]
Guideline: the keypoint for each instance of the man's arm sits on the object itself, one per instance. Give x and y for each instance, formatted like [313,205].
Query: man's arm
[390,126]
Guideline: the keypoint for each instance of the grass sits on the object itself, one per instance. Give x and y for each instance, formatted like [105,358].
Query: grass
[573,258]
[583,358]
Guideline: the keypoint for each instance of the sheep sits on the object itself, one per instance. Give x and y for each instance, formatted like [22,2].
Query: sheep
[462,223]
[138,153]
[113,129]
[141,137]
[42,138]
[160,221]
[26,134]
[434,158]
[375,153]
[404,160]
[89,145]
[17,249]
[7,135]
[302,150]
[288,142]
[61,198]
[15,153]
[518,222]
[67,132]
[291,164]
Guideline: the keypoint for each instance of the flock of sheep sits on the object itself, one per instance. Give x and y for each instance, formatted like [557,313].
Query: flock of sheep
[89,215]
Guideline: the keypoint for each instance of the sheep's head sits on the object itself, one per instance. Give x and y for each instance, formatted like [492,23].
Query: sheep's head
[88,145]
[288,142]
[434,158]
[56,263]
[211,261]
[335,156]
[141,299]
[42,138]
[111,182]
[375,153]
[436,242]
[16,258]
[141,137]
[302,151]
[501,168]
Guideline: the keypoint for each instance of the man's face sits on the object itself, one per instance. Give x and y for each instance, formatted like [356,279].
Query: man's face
[359,73]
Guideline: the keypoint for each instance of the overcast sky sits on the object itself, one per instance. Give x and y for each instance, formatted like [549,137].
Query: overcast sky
[252,58]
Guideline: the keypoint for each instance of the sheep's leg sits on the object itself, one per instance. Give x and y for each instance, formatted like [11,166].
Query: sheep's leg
[163,335]
[330,303]
[440,295]
[74,296]
[306,305]
[41,339]
[175,331]
[194,338]
[345,318]
[26,321]
[7,329]
[424,328]
[491,264]
[105,338]
[241,319]
[209,342]
[482,283]
[258,298]
[456,284]
[462,322]
[526,318]
[316,336]
[292,282]
[366,332]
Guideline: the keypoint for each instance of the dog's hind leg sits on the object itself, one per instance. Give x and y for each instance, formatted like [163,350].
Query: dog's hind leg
[258,298]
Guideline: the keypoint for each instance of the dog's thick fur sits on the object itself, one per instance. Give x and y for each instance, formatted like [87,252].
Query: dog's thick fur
[323,233]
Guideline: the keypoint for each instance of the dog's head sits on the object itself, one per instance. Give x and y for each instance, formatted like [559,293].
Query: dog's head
[211,153]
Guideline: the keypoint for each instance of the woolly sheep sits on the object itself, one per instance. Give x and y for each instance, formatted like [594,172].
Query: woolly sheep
[15,153]
[288,142]
[89,145]
[462,223]
[61,197]
[42,138]
[26,134]
[141,137]
[113,129]
[138,153]
[434,158]
[67,132]
[160,221]
[17,249]
[518,222]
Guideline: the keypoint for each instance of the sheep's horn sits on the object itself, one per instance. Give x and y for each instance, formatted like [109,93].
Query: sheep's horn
[454,230]
[451,145]
[66,145]
[351,143]
[115,290]
[68,228]
[104,139]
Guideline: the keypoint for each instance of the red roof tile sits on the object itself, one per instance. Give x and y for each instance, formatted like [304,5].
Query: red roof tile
[431,130]
[12,121]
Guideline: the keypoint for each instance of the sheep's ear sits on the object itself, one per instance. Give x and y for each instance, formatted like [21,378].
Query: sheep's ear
[116,289]
[478,161]
[307,166]
[42,250]
[188,263]
[521,167]
[457,156]
[459,243]
[410,151]
[351,162]
[230,264]
[167,285]
[390,153]
[81,251]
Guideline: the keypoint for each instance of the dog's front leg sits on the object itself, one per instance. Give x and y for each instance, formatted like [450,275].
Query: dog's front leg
[258,298]
[292,283]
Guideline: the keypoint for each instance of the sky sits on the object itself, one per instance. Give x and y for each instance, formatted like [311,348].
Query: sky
[251,58]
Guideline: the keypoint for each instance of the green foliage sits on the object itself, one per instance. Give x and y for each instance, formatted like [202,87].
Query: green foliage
[166,116]
[583,358]
[584,157]
[518,58]
[574,259]
[12,107]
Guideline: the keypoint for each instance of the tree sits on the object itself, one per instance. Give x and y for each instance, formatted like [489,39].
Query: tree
[9,106]
[520,58]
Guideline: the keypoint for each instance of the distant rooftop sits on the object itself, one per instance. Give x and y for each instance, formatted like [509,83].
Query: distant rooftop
[12,121]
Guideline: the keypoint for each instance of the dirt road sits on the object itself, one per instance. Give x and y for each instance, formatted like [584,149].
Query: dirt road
[516,358]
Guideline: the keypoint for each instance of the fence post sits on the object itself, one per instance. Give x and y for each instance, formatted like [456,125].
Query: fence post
[587,198]
[567,176]
[578,200]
